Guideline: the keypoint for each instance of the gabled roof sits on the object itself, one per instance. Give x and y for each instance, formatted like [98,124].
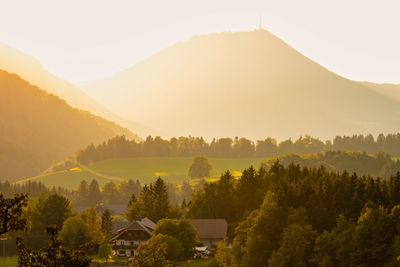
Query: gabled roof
[117,226]
[210,228]
[145,224]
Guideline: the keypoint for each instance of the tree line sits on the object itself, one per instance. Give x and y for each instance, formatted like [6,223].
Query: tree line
[120,147]
[381,164]
[90,193]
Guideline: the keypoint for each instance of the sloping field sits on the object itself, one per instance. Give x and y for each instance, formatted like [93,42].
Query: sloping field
[143,169]
[171,169]
[70,178]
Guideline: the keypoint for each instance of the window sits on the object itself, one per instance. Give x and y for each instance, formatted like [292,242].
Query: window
[122,242]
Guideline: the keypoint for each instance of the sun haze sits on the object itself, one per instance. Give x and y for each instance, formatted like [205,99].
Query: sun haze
[89,40]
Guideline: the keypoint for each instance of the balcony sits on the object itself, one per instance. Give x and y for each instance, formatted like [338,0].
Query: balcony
[124,246]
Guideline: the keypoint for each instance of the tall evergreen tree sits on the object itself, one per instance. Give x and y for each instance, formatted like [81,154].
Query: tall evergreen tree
[160,200]
[94,194]
[83,192]
[106,223]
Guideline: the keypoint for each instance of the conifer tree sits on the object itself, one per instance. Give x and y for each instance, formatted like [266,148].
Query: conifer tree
[106,223]
[94,195]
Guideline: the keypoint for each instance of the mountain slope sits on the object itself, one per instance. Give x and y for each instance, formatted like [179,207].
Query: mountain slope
[37,128]
[32,71]
[387,89]
[243,84]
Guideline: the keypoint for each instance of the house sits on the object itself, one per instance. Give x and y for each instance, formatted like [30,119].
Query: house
[128,236]
[210,231]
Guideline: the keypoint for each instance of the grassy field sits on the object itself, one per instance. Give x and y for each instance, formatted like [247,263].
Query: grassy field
[143,169]
[13,261]
[171,169]
[9,261]
[70,178]
[193,263]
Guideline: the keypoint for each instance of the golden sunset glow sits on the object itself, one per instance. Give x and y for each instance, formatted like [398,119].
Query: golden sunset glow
[93,39]
[214,133]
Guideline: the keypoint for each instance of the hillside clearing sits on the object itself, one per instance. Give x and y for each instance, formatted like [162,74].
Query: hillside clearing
[143,169]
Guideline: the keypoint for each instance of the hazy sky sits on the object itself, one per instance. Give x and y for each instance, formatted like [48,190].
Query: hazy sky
[84,40]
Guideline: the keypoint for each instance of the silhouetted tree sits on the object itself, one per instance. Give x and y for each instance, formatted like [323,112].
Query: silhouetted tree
[94,194]
[106,223]
[10,213]
[53,254]
[200,168]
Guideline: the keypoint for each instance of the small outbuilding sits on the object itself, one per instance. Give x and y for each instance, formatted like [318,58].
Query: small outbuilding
[210,231]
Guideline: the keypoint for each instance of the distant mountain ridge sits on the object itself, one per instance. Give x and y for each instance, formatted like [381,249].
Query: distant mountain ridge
[37,127]
[248,84]
[388,89]
[29,69]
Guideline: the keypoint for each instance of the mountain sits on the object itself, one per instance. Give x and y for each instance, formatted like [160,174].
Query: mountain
[37,127]
[248,84]
[28,68]
[387,89]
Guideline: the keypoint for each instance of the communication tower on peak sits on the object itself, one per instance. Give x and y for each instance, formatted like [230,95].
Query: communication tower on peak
[260,27]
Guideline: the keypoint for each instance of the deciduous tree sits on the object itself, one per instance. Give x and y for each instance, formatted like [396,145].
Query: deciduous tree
[200,168]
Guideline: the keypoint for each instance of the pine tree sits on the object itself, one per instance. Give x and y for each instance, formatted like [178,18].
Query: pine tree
[106,223]
[132,200]
[94,194]
[83,191]
[160,200]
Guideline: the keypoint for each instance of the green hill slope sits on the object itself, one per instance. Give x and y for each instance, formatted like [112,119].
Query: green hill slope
[70,178]
[143,169]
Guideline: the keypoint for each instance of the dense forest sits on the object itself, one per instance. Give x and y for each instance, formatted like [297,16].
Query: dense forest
[277,215]
[119,147]
[307,216]
[34,127]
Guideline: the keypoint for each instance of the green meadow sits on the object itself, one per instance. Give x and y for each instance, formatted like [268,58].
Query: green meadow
[143,169]
[70,178]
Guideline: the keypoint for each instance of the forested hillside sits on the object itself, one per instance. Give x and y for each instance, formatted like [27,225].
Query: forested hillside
[359,162]
[37,128]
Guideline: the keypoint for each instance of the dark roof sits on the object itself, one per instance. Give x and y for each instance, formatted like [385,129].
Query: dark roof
[210,228]
[119,226]
[144,224]
[133,226]
[136,226]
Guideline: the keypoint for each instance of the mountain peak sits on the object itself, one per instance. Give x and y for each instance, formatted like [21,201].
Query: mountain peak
[243,84]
